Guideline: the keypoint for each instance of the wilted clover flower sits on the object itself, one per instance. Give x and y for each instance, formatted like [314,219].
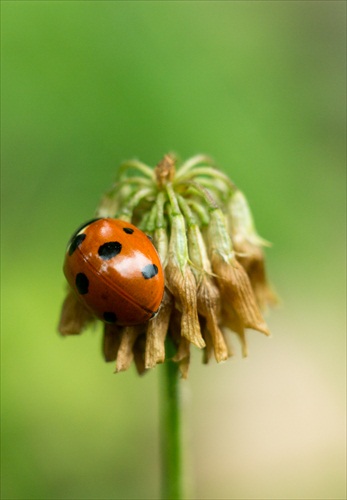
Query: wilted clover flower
[215,281]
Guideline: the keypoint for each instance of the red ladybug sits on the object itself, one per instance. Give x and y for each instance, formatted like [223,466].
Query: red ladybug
[115,271]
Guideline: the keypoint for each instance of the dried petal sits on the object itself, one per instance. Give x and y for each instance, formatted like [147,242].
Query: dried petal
[111,341]
[183,287]
[156,333]
[228,343]
[208,304]
[235,286]
[181,283]
[231,321]
[184,367]
[183,357]
[74,316]
[125,353]
[165,170]
[252,259]
[208,351]
[232,279]
[139,357]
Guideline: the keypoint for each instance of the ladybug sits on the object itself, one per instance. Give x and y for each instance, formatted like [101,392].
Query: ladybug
[115,271]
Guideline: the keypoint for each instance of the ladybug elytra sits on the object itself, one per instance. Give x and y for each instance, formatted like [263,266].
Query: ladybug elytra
[115,271]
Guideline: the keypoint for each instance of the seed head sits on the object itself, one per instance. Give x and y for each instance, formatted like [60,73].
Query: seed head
[213,261]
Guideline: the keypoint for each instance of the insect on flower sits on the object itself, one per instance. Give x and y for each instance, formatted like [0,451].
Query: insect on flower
[171,255]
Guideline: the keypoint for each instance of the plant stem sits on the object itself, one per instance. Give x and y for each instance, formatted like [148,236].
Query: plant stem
[171,450]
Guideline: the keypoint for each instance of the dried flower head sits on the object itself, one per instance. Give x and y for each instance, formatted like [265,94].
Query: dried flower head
[215,281]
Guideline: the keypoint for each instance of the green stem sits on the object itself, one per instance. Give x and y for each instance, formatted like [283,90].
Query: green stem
[171,448]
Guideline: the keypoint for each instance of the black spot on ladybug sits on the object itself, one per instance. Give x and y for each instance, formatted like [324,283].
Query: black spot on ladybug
[149,271]
[109,250]
[82,283]
[76,242]
[110,317]
[128,230]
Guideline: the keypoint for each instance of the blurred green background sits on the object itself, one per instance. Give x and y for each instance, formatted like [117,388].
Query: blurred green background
[260,86]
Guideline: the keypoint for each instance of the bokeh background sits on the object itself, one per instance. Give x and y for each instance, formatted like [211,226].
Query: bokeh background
[260,86]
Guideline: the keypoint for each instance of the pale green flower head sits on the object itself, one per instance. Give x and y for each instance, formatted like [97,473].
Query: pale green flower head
[215,283]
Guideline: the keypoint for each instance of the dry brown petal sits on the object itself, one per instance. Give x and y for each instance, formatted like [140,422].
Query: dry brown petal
[182,356]
[74,316]
[208,351]
[165,170]
[175,325]
[232,321]
[251,257]
[139,350]
[244,345]
[247,253]
[243,342]
[184,367]
[228,342]
[111,341]
[125,353]
[156,333]
[235,287]
[208,299]
[183,287]
[183,350]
